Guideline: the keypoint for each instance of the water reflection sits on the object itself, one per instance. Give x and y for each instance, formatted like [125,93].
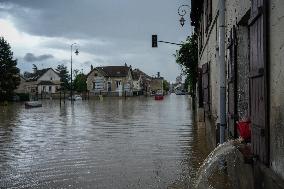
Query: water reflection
[114,143]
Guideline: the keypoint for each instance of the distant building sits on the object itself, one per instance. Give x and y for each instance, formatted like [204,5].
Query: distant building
[156,84]
[137,80]
[22,87]
[45,81]
[110,80]
[141,82]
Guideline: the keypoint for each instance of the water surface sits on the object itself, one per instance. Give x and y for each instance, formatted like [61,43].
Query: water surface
[114,143]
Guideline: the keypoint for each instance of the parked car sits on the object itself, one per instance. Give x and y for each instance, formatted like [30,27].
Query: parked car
[75,97]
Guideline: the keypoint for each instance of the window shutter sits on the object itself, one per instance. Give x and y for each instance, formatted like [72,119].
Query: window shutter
[206,87]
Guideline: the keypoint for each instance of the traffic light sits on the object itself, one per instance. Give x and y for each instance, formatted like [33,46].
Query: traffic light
[154,41]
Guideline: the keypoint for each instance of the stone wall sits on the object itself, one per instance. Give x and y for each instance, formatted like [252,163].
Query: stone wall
[276,63]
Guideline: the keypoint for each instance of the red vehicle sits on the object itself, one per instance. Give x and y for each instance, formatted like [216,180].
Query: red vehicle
[159,96]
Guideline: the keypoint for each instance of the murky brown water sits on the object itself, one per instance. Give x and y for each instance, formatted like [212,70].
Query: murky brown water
[114,143]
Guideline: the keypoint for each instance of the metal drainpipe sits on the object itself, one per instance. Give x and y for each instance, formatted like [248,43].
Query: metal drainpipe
[222,116]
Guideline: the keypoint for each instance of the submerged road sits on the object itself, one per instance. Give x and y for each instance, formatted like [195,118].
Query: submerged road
[114,143]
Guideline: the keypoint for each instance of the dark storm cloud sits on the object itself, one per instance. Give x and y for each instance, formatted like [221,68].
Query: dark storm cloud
[115,31]
[86,18]
[30,57]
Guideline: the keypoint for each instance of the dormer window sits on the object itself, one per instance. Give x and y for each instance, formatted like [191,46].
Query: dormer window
[51,78]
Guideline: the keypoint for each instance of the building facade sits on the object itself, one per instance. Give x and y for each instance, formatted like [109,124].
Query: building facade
[110,81]
[42,82]
[254,37]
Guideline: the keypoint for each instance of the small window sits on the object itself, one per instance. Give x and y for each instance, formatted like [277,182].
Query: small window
[50,88]
[94,85]
[118,83]
[51,78]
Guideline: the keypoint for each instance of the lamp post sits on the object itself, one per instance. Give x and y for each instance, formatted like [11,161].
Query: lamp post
[71,90]
[182,12]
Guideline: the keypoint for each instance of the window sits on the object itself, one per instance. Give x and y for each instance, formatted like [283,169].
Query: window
[50,88]
[51,78]
[94,85]
[118,83]
[43,88]
[109,86]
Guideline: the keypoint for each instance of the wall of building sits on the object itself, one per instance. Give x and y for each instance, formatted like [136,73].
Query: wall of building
[124,80]
[91,78]
[235,12]
[156,85]
[22,88]
[276,62]
[137,85]
[46,89]
[210,55]
[50,75]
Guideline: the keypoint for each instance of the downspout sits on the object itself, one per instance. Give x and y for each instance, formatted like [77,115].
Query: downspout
[222,113]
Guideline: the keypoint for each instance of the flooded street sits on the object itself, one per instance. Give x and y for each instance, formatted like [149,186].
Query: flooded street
[114,143]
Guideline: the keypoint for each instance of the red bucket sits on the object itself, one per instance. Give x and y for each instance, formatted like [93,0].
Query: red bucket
[244,130]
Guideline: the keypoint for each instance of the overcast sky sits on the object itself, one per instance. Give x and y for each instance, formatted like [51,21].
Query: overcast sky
[109,32]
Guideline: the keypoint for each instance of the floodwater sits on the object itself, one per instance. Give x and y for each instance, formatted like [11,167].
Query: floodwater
[114,143]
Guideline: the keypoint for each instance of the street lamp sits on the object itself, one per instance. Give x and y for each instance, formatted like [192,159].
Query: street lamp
[76,52]
[182,12]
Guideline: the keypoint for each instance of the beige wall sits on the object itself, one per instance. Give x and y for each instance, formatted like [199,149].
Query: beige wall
[91,78]
[276,63]
[210,55]
[235,10]
[45,88]
[156,84]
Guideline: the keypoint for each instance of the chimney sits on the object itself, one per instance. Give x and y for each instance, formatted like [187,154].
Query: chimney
[158,74]
[125,64]
[92,67]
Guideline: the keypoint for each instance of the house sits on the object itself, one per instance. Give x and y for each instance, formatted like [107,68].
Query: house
[110,80]
[141,82]
[156,84]
[22,87]
[42,82]
[253,60]
[137,81]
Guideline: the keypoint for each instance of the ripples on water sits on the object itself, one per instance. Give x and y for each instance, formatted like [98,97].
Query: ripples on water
[114,143]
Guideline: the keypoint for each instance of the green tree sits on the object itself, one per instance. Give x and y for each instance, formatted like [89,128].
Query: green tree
[166,85]
[64,76]
[9,73]
[187,57]
[80,84]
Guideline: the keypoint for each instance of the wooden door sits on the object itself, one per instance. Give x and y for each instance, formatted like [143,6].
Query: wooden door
[258,79]
[232,84]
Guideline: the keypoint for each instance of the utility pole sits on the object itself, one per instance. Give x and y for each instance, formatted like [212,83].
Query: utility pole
[71,90]
[222,113]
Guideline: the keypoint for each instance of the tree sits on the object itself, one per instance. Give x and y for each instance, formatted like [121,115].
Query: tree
[64,76]
[187,57]
[166,85]
[9,73]
[80,84]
